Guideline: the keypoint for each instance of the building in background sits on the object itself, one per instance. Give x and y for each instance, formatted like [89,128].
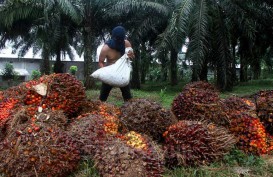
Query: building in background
[25,65]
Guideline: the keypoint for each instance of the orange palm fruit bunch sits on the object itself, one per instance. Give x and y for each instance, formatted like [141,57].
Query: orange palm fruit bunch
[250,133]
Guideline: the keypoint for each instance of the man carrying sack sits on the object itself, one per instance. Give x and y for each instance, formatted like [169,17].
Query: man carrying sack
[116,70]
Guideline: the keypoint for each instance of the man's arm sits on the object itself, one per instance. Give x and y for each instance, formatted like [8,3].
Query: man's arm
[103,55]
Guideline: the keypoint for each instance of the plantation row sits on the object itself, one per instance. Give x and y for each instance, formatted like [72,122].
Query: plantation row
[48,125]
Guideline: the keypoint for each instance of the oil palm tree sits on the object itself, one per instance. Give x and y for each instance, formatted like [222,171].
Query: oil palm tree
[39,24]
[208,24]
[92,19]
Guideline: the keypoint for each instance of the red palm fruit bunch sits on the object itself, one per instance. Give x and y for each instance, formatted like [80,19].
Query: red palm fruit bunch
[20,92]
[250,133]
[91,132]
[33,100]
[1,95]
[130,155]
[146,117]
[192,143]
[199,101]
[46,151]
[264,102]
[6,107]
[110,113]
[64,92]
[234,104]
[107,109]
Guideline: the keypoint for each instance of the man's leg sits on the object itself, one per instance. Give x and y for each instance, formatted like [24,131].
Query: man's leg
[104,91]
[126,93]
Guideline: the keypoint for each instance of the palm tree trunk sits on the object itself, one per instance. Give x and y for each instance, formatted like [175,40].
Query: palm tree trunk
[164,66]
[135,82]
[173,69]
[88,42]
[204,71]
[256,69]
[243,69]
[58,65]
[144,64]
[234,76]
[45,65]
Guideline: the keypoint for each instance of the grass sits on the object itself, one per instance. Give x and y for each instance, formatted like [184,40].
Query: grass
[164,93]
[249,88]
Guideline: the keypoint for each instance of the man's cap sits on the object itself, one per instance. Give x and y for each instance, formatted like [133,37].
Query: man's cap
[118,33]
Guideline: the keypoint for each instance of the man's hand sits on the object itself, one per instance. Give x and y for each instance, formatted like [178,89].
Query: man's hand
[131,55]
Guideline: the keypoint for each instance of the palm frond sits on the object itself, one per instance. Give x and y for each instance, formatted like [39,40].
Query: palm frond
[222,48]
[69,9]
[197,34]
[176,31]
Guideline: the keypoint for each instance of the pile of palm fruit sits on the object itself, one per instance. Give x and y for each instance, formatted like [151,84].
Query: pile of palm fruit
[48,125]
[199,101]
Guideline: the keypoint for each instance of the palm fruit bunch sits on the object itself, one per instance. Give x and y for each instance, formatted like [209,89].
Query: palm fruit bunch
[146,117]
[234,104]
[92,131]
[201,85]
[32,150]
[64,92]
[110,113]
[269,141]
[194,143]
[264,102]
[9,100]
[6,107]
[130,155]
[1,95]
[199,101]
[60,92]
[135,140]
[250,133]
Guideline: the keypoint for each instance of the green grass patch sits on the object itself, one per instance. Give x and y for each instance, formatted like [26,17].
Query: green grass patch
[164,93]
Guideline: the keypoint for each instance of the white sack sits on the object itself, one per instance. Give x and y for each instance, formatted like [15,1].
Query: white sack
[117,74]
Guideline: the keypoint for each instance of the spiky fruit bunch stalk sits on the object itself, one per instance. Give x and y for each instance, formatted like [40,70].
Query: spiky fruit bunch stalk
[264,102]
[192,143]
[234,104]
[196,102]
[250,133]
[92,131]
[130,155]
[147,117]
[43,151]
